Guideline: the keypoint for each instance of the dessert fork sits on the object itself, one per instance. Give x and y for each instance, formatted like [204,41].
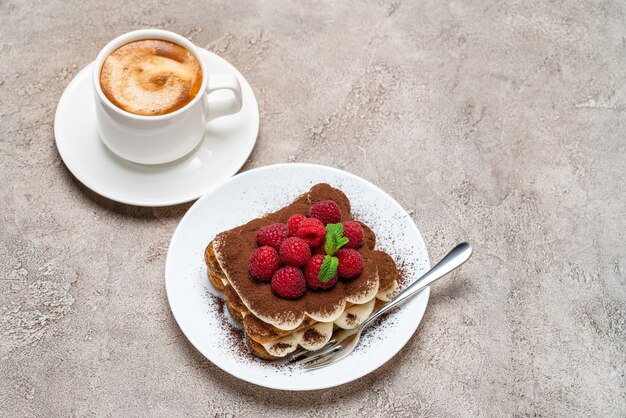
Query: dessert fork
[344,342]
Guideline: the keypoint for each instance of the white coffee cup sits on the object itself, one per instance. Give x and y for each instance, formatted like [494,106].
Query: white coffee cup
[163,138]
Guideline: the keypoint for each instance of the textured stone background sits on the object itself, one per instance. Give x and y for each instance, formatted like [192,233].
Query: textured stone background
[498,122]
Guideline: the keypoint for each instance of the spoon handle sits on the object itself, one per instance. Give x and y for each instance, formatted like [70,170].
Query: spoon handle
[459,255]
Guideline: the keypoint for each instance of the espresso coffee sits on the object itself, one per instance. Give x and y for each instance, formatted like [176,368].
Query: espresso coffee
[151,77]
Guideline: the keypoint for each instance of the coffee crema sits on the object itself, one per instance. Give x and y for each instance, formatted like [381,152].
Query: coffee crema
[150,77]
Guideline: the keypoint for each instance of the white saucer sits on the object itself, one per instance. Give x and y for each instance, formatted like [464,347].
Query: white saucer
[224,149]
[196,304]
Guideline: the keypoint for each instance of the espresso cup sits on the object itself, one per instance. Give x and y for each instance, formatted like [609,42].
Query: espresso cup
[167,137]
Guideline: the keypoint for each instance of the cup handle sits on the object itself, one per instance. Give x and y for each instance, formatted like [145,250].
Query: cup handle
[221,107]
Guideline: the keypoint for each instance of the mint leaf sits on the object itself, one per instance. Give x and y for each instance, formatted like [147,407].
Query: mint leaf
[335,231]
[328,269]
[329,246]
[334,235]
[342,241]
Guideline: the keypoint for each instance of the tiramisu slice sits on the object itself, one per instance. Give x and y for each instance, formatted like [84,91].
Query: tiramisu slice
[294,276]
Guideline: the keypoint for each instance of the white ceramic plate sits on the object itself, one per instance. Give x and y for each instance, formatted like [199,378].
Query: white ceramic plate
[224,149]
[194,302]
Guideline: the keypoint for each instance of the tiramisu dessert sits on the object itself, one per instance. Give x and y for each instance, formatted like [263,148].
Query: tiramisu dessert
[293,277]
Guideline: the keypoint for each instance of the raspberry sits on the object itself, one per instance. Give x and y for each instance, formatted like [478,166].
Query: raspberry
[350,263]
[326,211]
[293,223]
[272,235]
[312,231]
[294,251]
[289,283]
[311,272]
[319,250]
[354,232]
[264,262]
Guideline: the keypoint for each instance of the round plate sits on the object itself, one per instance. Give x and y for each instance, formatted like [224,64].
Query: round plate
[226,145]
[197,306]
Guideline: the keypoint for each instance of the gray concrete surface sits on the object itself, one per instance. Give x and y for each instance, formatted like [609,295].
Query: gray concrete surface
[498,122]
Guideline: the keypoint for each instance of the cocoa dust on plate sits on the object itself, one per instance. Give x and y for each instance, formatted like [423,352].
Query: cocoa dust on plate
[234,336]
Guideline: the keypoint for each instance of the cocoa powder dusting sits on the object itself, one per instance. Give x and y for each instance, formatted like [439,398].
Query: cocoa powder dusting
[234,337]
[404,270]
[281,346]
[351,319]
[236,341]
[220,306]
[217,303]
[313,336]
